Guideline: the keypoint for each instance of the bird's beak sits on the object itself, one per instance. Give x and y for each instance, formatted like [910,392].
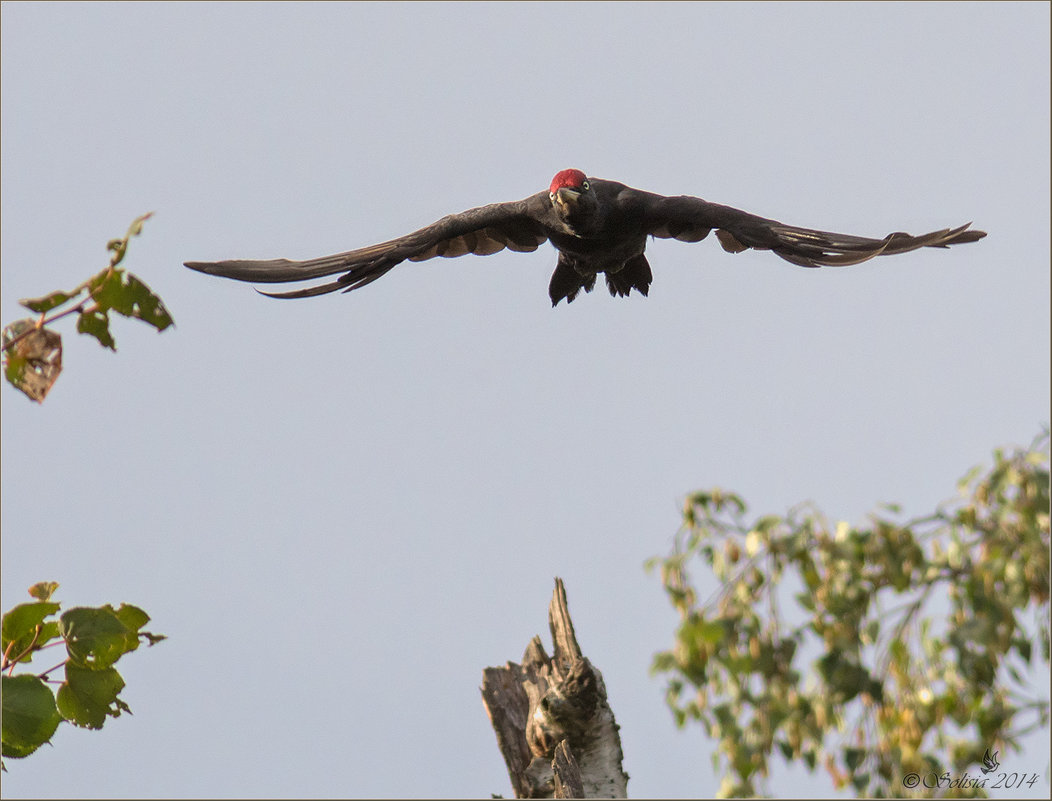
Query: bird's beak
[568,197]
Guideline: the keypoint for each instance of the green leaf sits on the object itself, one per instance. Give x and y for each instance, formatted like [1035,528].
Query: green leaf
[806,601]
[844,676]
[900,654]
[710,632]
[46,303]
[27,646]
[1024,648]
[853,757]
[662,662]
[96,637]
[871,632]
[135,618]
[87,696]
[132,616]
[24,619]
[119,247]
[97,324]
[29,715]
[810,758]
[125,294]
[20,627]
[860,782]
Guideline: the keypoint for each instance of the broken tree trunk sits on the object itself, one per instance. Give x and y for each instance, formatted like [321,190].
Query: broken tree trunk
[554,727]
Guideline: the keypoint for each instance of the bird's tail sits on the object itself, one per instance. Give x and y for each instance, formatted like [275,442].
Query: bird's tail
[635,274]
[567,282]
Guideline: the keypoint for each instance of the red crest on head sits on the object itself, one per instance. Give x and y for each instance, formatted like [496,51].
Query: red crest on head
[571,178]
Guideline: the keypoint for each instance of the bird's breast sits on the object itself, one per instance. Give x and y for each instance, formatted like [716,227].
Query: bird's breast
[602,254]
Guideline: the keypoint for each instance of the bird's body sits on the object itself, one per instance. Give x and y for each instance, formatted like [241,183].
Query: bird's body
[596,226]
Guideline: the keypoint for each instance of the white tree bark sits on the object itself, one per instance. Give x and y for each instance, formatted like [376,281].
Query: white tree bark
[554,726]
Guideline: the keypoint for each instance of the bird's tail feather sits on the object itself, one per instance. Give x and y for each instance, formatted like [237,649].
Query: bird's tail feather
[567,282]
[636,274]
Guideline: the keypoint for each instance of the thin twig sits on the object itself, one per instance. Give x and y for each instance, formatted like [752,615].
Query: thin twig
[29,648]
[56,667]
[80,307]
[7,654]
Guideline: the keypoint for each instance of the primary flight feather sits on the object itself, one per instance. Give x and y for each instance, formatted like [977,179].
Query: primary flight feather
[596,226]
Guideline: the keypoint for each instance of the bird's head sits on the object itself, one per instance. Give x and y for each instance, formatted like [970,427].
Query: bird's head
[572,195]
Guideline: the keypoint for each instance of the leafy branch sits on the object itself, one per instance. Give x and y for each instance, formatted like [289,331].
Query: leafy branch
[33,352]
[925,693]
[95,638]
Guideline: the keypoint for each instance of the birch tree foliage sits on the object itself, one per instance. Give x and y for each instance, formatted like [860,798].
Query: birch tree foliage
[877,653]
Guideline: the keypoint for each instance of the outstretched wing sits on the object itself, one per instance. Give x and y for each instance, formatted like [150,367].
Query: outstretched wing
[690,219]
[485,230]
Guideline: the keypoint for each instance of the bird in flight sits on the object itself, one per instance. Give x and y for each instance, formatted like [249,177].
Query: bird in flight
[596,226]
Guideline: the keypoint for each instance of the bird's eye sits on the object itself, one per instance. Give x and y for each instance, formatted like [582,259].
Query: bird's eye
[585,186]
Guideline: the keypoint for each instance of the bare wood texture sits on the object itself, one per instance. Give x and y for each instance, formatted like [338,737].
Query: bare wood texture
[566,773]
[554,726]
[508,708]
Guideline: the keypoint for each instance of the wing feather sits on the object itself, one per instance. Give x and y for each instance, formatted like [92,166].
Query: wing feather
[690,219]
[482,231]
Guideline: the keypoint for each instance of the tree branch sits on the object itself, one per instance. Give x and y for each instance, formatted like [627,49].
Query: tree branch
[554,726]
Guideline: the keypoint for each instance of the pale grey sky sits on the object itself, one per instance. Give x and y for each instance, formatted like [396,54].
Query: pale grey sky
[341,510]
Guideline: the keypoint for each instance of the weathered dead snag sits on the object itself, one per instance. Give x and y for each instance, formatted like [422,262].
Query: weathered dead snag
[554,727]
